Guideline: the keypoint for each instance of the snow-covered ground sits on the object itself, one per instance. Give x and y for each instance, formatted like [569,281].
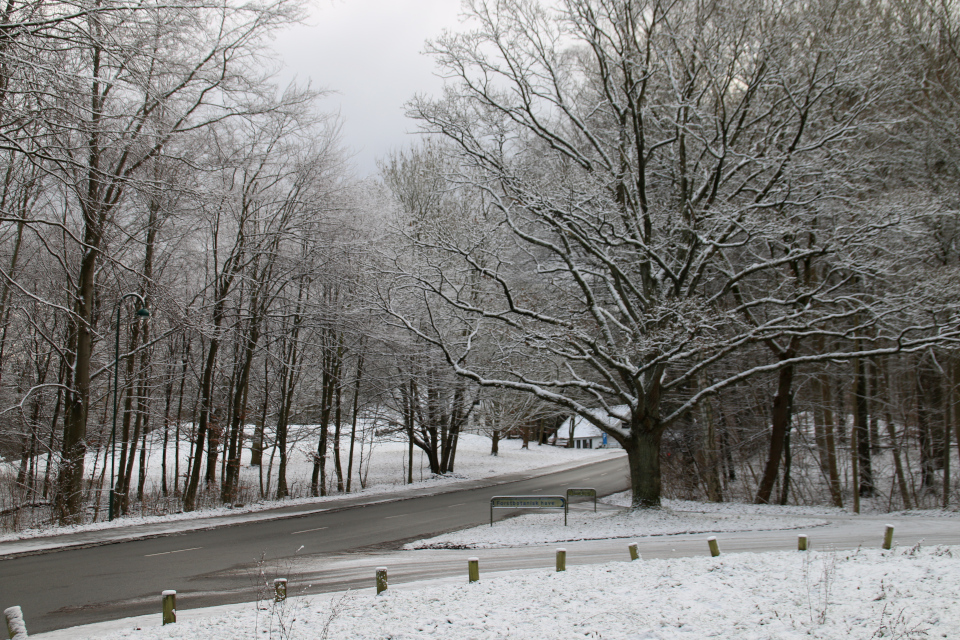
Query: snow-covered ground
[385,470]
[584,524]
[827,595]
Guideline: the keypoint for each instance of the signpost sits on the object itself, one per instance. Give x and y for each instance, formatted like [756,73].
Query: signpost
[582,491]
[528,502]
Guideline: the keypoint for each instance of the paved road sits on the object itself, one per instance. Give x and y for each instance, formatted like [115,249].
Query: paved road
[219,566]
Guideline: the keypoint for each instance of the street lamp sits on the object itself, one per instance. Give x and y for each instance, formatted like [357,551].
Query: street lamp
[142,312]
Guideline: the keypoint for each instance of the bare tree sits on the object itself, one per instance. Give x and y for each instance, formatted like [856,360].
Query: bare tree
[665,207]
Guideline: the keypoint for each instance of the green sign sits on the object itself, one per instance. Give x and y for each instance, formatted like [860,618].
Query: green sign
[583,491]
[528,502]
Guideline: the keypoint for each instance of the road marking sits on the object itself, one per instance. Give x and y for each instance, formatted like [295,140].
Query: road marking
[150,555]
[308,530]
[456,505]
[535,490]
[602,474]
[402,515]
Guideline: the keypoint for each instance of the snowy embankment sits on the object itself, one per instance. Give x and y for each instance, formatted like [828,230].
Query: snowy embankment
[543,528]
[832,595]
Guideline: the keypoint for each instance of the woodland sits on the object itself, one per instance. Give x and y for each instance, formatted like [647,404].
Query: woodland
[733,226]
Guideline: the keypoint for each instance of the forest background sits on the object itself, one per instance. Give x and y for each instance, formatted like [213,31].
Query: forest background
[732,227]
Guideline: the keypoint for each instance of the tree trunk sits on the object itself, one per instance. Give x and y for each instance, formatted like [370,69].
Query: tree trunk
[710,457]
[947,415]
[68,499]
[862,427]
[176,439]
[318,479]
[256,447]
[643,458]
[836,486]
[926,445]
[206,397]
[781,420]
[787,465]
[142,477]
[873,381]
[287,374]
[337,428]
[167,404]
[855,468]
[409,419]
[231,479]
[354,415]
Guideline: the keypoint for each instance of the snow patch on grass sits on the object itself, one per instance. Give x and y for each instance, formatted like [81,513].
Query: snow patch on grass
[545,528]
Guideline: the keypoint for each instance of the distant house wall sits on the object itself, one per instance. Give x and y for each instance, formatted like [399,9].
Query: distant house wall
[594,442]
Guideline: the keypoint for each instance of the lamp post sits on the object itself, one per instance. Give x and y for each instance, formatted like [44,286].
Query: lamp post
[142,312]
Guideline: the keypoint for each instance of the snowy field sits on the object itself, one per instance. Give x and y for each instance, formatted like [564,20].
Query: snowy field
[384,468]
[902,594]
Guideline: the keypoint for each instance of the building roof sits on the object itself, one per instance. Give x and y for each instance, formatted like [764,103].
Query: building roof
[582,428]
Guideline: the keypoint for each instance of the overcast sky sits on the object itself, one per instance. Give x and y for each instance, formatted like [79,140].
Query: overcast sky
[369,52]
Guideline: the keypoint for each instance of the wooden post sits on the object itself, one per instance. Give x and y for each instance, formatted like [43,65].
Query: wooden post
[473,569]
[888,537]
[634,552]
[802,543]
[561,559]
[279,589]
[169,606]
[16,629]
[714,547]
[381,580]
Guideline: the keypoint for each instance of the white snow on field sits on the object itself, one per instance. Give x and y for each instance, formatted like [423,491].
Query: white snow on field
[584,524]
[384,467]
[832,595]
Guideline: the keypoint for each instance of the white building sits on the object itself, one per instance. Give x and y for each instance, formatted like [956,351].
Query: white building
[587,435]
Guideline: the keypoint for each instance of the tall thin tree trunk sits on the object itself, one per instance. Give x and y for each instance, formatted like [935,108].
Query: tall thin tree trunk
[354,412]
[894,441]
[925,430]
[787,466]
[176,440]
[873,382]
[862,427]
[711,458]
[855,470]
[948,399]
[337,426]
[142,476]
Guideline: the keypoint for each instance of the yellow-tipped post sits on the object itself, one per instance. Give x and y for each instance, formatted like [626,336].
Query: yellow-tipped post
[561,559]
[473,569]
[888,537]
[169,606]
[279,589]
[802,543]
[634,551]
[381,580]
[714,547]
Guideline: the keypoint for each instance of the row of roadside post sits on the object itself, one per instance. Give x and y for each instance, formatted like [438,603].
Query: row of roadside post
[17,630]
[473,564]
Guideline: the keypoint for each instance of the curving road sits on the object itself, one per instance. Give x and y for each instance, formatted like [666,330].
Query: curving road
[339,548]
[71,587]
